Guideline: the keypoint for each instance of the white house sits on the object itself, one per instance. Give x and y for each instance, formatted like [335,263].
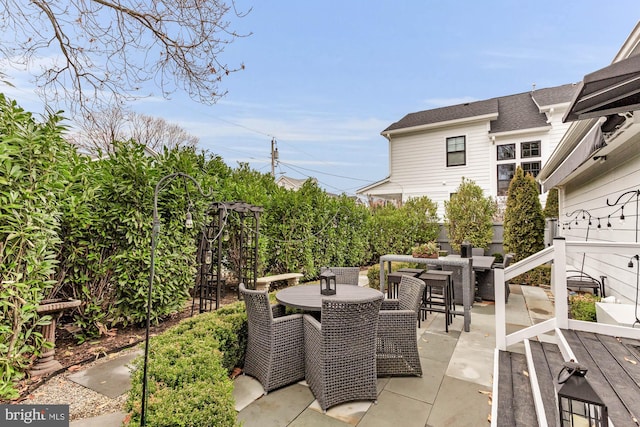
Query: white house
[430,151]
[596,168]
[291,183]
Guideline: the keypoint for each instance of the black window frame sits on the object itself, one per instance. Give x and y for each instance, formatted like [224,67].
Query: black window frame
[526,149]
[498,181]
[538,163]
[513,151]
[463,151]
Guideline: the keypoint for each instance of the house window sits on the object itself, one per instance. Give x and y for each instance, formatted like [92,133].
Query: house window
[531,167]
[456,151]
[530,149]
[506,152]
[505,173]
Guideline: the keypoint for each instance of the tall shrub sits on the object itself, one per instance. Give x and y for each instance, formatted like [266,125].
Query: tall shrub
[551,205]
[107,236]
[469,216]
[523,218]
[395,230]
[33,174]
[307,228]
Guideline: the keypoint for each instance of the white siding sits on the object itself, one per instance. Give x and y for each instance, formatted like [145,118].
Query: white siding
[605,183]
[419,162]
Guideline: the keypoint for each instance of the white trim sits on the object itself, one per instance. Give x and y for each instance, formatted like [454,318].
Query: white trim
[500,310]
[521,131]
[564,347]
[630,45]
[494,392]
[373,185]
[531,331]
[548,108]
[535,387]
[525,265]
[455,122]
[602,328]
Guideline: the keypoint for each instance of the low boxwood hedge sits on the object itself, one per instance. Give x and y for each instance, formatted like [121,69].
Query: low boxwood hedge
[189,369]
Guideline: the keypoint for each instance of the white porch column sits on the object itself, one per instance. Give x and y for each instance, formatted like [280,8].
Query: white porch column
[560,282]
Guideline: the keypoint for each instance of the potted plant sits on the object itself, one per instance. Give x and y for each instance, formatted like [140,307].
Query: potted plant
[425,250]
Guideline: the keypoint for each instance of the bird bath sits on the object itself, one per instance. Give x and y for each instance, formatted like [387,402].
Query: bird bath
[46,363]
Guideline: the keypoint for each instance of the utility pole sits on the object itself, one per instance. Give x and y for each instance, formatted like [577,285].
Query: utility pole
[274,157]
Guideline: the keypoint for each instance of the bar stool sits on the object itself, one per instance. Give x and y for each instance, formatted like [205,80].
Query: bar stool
[393,279]
[448,274]
[438,302]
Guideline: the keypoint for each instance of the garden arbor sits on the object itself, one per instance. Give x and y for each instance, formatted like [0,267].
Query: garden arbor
[228,251]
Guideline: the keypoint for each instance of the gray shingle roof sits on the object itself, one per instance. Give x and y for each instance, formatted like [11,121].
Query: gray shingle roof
[514,111]
[555,95]
[444,114]
[517,112]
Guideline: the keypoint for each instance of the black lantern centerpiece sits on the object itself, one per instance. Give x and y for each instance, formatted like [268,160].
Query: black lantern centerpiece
[578,403]
[328,282]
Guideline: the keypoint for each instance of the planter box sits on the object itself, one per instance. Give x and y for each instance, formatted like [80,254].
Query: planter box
[615,314]
[424,256]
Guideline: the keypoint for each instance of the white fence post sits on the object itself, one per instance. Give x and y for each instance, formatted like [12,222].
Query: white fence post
[500,309]
[560,282]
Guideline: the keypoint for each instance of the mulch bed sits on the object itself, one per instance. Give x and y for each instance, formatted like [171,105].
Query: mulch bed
[72,356]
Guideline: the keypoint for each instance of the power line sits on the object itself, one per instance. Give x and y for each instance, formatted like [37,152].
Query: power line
[244,127]
[321,182]
[296,149]
[329,174]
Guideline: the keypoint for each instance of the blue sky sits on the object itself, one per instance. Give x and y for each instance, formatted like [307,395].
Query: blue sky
[326,77]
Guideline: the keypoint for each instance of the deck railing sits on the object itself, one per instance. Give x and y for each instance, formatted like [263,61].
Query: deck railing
[558,255]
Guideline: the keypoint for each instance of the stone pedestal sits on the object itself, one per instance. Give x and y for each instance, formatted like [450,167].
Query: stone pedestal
[46,363]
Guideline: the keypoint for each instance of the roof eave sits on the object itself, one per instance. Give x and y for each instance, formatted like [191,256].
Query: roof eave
[521,131]
[436,125]
[363,190]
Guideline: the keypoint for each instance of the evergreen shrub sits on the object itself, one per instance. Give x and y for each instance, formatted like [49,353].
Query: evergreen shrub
[34,171]
[469,216]
[189,371]
[523,218]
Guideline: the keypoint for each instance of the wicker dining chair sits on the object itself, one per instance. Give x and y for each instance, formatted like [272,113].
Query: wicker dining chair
[340,352]
[397,343]
[275,345]
[344,275]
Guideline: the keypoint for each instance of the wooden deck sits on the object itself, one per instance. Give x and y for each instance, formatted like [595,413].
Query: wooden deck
[613,370]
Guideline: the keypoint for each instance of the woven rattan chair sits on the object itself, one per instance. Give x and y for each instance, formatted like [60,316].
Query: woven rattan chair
[275,346]
[397,344]
[344,275]
[340,353]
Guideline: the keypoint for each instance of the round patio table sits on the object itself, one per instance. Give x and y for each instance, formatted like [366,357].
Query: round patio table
[309,298]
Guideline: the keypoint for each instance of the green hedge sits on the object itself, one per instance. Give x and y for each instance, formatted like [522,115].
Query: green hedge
[373,273]
[35,168]
[582,306]
[189,371]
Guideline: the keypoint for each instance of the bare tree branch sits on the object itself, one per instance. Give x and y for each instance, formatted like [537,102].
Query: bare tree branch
[97,52]
[101,129]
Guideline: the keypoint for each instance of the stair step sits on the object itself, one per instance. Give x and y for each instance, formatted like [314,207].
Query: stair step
[547,361]
[515,398]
